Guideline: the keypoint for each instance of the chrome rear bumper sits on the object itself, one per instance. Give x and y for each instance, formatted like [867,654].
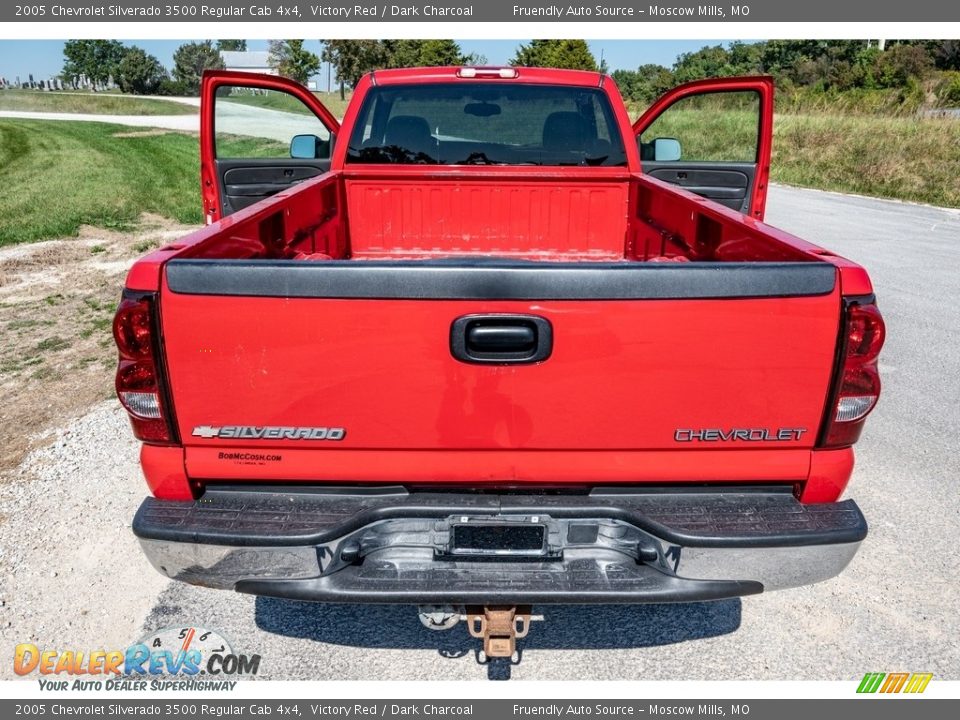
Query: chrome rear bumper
[392,546]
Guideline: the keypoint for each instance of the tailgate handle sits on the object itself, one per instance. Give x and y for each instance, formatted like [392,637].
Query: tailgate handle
[501,339]
[508,338]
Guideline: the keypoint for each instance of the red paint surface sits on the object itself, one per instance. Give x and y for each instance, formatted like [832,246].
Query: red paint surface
[510,468]
[624,374]
[163,467]
[570,220]
[830,472]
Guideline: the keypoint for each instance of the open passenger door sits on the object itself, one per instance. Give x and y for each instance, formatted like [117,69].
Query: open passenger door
[712,137]
[259,134]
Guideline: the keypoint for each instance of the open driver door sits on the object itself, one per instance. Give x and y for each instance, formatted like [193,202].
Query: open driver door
[712,137]
[259,134]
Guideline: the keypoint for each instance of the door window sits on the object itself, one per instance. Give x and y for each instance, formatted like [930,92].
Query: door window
[717,126]
[260,123]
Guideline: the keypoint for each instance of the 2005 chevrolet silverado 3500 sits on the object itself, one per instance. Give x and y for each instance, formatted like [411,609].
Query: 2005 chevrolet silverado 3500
[486,344]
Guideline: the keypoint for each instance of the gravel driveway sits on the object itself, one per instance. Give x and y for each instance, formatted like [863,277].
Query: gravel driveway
[74,577]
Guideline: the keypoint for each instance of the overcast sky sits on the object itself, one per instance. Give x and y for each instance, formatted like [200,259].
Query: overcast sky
[44,58]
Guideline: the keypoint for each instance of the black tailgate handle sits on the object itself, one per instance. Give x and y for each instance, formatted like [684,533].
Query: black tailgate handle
[501,339]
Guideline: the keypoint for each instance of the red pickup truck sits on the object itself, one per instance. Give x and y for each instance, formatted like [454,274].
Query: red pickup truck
[487,343]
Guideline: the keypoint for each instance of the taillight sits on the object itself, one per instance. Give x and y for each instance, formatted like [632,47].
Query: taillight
[857,383]
[139,382]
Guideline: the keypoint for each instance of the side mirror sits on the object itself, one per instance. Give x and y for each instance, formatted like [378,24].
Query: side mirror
[666,150]
[308,147]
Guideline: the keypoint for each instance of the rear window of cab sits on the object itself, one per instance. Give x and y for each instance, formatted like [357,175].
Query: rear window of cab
[486,124]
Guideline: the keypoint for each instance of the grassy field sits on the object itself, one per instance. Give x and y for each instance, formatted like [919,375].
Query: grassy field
[288,103]
[60,175]
[97,104]
[906,158]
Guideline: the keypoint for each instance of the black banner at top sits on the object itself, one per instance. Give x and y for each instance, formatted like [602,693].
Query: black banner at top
[617,11]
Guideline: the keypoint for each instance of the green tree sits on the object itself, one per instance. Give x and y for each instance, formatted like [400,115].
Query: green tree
[537,54]
[426,53]
[140,73]
[402,53]
[709,61]
[292,60]
[191,59]
[97,60]
[945,53]
[438,53]
[568,54]
[901,63]
[352,58]
[574,55]
[745,58]
[234,45]
[645,84]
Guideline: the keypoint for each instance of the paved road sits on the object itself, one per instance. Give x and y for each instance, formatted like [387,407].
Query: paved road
[232,117]
[895,608]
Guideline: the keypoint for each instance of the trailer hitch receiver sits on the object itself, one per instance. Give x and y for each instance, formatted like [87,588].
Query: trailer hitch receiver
[499,626]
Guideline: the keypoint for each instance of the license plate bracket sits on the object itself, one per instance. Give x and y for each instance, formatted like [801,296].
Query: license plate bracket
[497,539]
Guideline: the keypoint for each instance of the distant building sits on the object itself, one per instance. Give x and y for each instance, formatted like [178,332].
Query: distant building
[257,61]
[247,61]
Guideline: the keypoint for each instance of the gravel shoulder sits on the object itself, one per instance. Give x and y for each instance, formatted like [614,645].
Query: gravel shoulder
[74,577]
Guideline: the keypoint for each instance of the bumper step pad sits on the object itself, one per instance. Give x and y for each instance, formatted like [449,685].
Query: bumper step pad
[310,516]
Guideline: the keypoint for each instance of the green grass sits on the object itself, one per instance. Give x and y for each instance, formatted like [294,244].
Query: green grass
[60,175]
[729,135]
[271,101]
[244,146]
[98,104]
[906,158]
[53,344]
[288,103]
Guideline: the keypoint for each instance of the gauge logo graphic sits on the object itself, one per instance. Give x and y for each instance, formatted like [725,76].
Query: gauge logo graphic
[189,650]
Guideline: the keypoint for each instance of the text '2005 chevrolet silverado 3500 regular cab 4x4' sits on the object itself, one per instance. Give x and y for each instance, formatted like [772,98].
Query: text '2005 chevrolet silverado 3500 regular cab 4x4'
[487,343]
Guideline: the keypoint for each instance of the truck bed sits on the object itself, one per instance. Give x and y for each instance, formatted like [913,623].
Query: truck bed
[579,214]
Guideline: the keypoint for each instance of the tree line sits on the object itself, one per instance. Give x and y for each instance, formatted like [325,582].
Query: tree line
[133,70]
[815,65]
[812,65]
[136,71]
[351,59]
